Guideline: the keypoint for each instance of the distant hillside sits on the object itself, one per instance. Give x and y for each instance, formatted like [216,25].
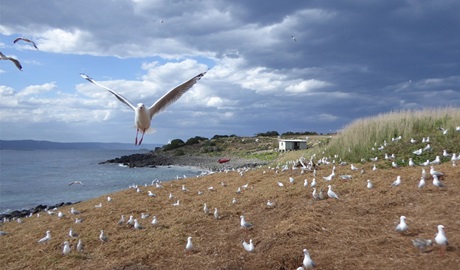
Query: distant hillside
[47,145]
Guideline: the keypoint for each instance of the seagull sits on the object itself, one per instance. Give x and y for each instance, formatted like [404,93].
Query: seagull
[313,182]
[244,224]
[307,261]
[445,154]
[305,183]
[46,238]
[437,183]
[291,180]
[314,194]
[143,116]
[421,244]
[151,194]
[137,226]
[75,212]
[122,220]
[293,38]
[353,168]
[437,160]
[72,233]
[79,246]
[103,237]
[78,220]
[109,199]
[205,209]
[66,249]
[189,245]
[3,233]
[320,195]
[402,226]
[60,214]
[397,182]
[421,184]
[144,216]
[154,220]
[15,61]
[411,162]
[270,204]
[345,176]
[176,203]
[216,214]
[26,40]
[412,140]
[76,182]
[249,247]
[441,238]
[280,184]
[234,201]
[130,220]
[98,205]
[171,196]
[184,189]
[418,152]
[369,184]
[427,147]
[331,193]
[434,172]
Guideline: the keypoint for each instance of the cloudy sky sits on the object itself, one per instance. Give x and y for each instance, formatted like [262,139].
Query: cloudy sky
[348,59]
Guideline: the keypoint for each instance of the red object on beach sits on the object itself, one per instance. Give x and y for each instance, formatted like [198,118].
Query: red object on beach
[223,160]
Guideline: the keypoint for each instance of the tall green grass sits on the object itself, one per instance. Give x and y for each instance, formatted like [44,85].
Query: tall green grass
[357,140]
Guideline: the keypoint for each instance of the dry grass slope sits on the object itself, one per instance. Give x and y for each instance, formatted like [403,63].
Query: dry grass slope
[357,231]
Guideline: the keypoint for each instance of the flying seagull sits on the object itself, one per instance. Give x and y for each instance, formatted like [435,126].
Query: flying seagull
[293,38]
[26,40]
[15,61]
[142,115]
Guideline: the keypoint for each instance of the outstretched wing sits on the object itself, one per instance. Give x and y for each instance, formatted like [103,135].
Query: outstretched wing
[15,61]
[117,95]
[173,95]
[26,40]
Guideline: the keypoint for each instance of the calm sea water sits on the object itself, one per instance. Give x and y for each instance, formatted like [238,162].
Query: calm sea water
[30,178]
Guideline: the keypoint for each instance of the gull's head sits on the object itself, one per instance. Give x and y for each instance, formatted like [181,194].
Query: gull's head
[140,106]
[403,218]
[440,227]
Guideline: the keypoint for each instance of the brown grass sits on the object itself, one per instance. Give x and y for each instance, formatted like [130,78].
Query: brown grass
[354,232]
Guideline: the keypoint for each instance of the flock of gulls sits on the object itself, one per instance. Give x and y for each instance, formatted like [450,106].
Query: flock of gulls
[300,165]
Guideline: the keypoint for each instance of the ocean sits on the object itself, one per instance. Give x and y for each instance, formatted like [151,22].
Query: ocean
[30,178]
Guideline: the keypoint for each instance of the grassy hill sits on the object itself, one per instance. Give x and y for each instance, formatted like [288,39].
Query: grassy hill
[357,231]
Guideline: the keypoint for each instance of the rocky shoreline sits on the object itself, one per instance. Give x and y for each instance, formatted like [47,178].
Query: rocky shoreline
[152,159]
[155,158]
[31,211]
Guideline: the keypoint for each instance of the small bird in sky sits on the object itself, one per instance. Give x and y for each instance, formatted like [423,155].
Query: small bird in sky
[293,38]
[143,115]
[26,40]
[76,182]
[15,61]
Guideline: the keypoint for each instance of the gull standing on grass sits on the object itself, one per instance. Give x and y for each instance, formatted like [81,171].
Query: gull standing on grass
[369,184]
[249,247]
[66,249]
[103,237]
[46,238]
[397,182]
[244,224]
[308,263]
[189,245]
[79,246]
[402,226]
[331,193]
[441,239]
[437,183]
[421,184]
[143,115]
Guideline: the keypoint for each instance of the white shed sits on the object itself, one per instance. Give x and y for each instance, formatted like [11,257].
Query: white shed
[288,145]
